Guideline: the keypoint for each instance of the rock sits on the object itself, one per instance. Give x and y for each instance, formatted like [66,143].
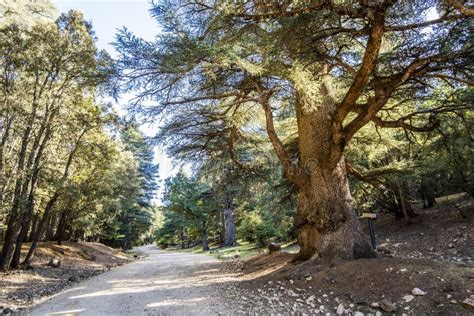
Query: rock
[378,313]
[375,305]
[358,314]
[272,247]
[408,298]
[340,309]
[387,306]
[418,292]
[468,303]
[54,263]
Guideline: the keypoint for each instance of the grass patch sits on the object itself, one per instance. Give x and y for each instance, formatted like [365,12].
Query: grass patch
[243,249]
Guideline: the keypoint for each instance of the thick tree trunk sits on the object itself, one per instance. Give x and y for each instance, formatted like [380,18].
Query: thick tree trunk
[326,223]
[229,224]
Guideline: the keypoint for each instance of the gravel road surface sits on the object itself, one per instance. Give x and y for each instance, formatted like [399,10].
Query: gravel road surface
[164,283]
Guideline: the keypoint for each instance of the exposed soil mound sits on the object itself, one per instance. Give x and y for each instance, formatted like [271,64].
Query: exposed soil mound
[78,261]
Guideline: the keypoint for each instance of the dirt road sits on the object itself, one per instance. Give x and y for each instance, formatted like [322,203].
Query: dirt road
[164,283]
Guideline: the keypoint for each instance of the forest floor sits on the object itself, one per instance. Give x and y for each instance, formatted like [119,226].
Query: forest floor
[435,253]
[79,261]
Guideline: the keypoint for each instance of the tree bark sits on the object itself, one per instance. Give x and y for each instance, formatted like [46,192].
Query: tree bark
[61,229]
[205,243]
[326,223]
[229,224]
[12,226]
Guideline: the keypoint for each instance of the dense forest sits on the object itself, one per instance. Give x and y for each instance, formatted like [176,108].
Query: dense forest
[71,168]
[289,118]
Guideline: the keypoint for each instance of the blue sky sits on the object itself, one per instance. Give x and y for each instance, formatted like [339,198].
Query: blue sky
[107,16]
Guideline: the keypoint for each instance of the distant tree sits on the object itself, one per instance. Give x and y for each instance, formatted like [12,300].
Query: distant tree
[192,201]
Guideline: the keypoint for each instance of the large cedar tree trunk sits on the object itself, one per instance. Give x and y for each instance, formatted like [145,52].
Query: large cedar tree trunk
[326,222]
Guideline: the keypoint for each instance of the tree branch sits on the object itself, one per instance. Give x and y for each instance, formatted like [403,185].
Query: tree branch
[461,8]
[291,170]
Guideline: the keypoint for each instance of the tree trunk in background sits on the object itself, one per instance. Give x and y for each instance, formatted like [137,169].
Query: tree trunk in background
[428,193]
[403,203]
[49,231]
[40,229]
[61,229]
[181,237]
[33,227]
[22,236]
[205,244]
[229,224]
[5,132]
[52,201]
[12,226]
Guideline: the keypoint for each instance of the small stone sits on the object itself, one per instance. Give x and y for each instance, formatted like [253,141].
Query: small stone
[378,313]
[387,306]
[468,303]
[403,270]
[291,281]
[54,263]
[340,309]
[408,298]
[375,305]
[358,314]
[453,301]
[309,278]
[273,247]
[321,307]
[418,292]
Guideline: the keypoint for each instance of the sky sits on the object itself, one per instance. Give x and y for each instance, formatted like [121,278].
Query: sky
[107,16]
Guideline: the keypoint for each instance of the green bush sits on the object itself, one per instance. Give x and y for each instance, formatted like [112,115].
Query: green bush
[256,227]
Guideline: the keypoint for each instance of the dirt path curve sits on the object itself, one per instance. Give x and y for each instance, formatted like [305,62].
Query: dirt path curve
[164,283]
